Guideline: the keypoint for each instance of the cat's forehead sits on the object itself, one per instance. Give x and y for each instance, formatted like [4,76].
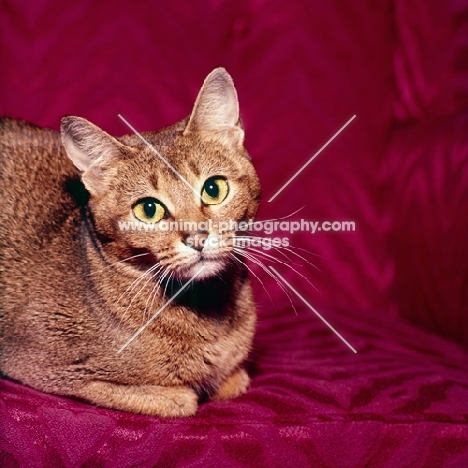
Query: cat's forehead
[163,137]
[171,151]
[172,166]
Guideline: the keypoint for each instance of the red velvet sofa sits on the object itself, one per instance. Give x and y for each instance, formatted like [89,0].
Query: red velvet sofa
[396,288]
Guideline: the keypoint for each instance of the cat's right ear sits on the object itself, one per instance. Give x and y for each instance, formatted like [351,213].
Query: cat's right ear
[91,150]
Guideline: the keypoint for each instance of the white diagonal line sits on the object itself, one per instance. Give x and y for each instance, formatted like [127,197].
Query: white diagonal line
[315,312]
[312,158]
[185,286]
[155,151]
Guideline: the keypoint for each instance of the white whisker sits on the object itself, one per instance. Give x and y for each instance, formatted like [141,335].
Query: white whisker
[141,289]
[267,271]
[252,272]
[278,248]
[137,280]
[152,296]
[315,312]
[284,217]
[272,258]
[115,263]
[167,283]
[299,256]
[186,285]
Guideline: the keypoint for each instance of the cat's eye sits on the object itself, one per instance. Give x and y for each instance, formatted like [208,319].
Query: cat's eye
[149,210]
[215,190]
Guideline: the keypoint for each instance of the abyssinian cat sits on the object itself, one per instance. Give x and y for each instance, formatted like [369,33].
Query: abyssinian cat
[76,288]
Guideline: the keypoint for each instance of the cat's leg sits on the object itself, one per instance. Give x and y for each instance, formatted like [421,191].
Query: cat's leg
[235,385]
[154,400]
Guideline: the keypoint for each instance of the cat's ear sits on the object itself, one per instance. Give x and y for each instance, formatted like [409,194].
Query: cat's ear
[91,150]
[216,110]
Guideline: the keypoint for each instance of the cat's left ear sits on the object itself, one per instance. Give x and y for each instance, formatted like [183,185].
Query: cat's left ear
[91,150]
[216,110]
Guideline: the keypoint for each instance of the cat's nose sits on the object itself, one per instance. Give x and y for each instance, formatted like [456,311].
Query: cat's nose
[196,240]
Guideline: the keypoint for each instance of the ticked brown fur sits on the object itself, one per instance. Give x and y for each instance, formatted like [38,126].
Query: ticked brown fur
[75,288]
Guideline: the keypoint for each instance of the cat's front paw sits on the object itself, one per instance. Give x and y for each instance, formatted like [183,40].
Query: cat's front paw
[154,400]
[235,385]
[181,401]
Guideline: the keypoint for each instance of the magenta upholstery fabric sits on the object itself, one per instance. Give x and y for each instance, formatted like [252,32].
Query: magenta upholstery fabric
[431,58]
[399,171]
[428,179]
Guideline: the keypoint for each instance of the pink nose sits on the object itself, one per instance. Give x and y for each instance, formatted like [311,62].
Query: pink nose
[196,240]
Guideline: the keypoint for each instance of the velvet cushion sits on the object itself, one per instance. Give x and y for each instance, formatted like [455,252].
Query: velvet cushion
[402,400]
[427,183]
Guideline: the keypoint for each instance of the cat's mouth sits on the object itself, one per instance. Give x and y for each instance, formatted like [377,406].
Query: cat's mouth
[205,266]
[202,264]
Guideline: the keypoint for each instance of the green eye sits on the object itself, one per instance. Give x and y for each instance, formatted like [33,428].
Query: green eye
[215,190]
[149,210]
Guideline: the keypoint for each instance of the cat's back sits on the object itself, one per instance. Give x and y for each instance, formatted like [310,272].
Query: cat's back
[30,155]
[35,175]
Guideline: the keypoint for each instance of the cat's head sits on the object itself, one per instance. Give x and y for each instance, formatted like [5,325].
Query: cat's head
[176,197]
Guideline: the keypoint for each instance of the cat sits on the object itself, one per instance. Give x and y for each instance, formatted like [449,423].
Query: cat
[76,289]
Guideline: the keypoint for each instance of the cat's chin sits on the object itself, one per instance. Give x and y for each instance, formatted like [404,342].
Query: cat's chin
[202,269]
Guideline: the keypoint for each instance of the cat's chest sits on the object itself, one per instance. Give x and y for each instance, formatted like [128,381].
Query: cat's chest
[191,350]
